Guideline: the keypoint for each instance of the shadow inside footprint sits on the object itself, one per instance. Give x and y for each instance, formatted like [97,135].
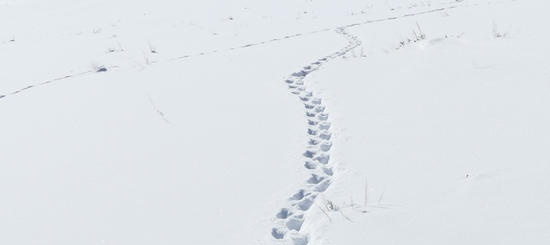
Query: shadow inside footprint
[277,234]
[298,195]
[305,204]
[284,213]
[295,223]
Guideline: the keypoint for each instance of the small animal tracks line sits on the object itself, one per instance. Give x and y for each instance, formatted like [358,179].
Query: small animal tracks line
[54,80]
[181,57]
[289,219]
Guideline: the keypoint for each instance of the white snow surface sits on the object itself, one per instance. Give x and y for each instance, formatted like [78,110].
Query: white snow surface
[274,122]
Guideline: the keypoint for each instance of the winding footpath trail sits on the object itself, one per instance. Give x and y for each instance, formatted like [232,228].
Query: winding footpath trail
[290,218]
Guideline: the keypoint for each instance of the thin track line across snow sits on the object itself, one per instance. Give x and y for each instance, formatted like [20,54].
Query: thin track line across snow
[182,57]
[289,219]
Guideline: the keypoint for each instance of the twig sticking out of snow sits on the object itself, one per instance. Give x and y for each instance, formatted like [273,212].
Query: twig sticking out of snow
[158,111]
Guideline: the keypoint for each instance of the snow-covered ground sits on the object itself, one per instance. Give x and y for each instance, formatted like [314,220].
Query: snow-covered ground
[449,135]
[274,122]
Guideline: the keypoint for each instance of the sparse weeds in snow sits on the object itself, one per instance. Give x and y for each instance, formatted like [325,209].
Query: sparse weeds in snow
[159,112]
[363,10]
[355,54]
[115,48]
[497,33]
[331,207]
[147,55]
[147,58]
[445,37]
[370,201]
[416,5]
[97,30]
[417,36]
[366,200]
[9,40]
[152,48]
[99,68]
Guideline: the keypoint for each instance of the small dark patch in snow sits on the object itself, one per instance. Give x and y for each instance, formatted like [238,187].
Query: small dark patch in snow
[284,213]
[328,171]
[325,146]
[323,186]
[305,204]
[312,122]
[277,234]
[300,74]
[313,142]
[325,135]
[310,165]
[309,154]
[101,69]
[299,195]
[324,126]
[323,158]
[315,179]
[294,224]
[316,101]
[303,240]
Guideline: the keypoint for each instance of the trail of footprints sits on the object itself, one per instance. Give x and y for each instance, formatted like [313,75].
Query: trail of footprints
[289,219]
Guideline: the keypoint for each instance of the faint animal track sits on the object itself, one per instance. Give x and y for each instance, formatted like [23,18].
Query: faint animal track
[300,75]
[38,84]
